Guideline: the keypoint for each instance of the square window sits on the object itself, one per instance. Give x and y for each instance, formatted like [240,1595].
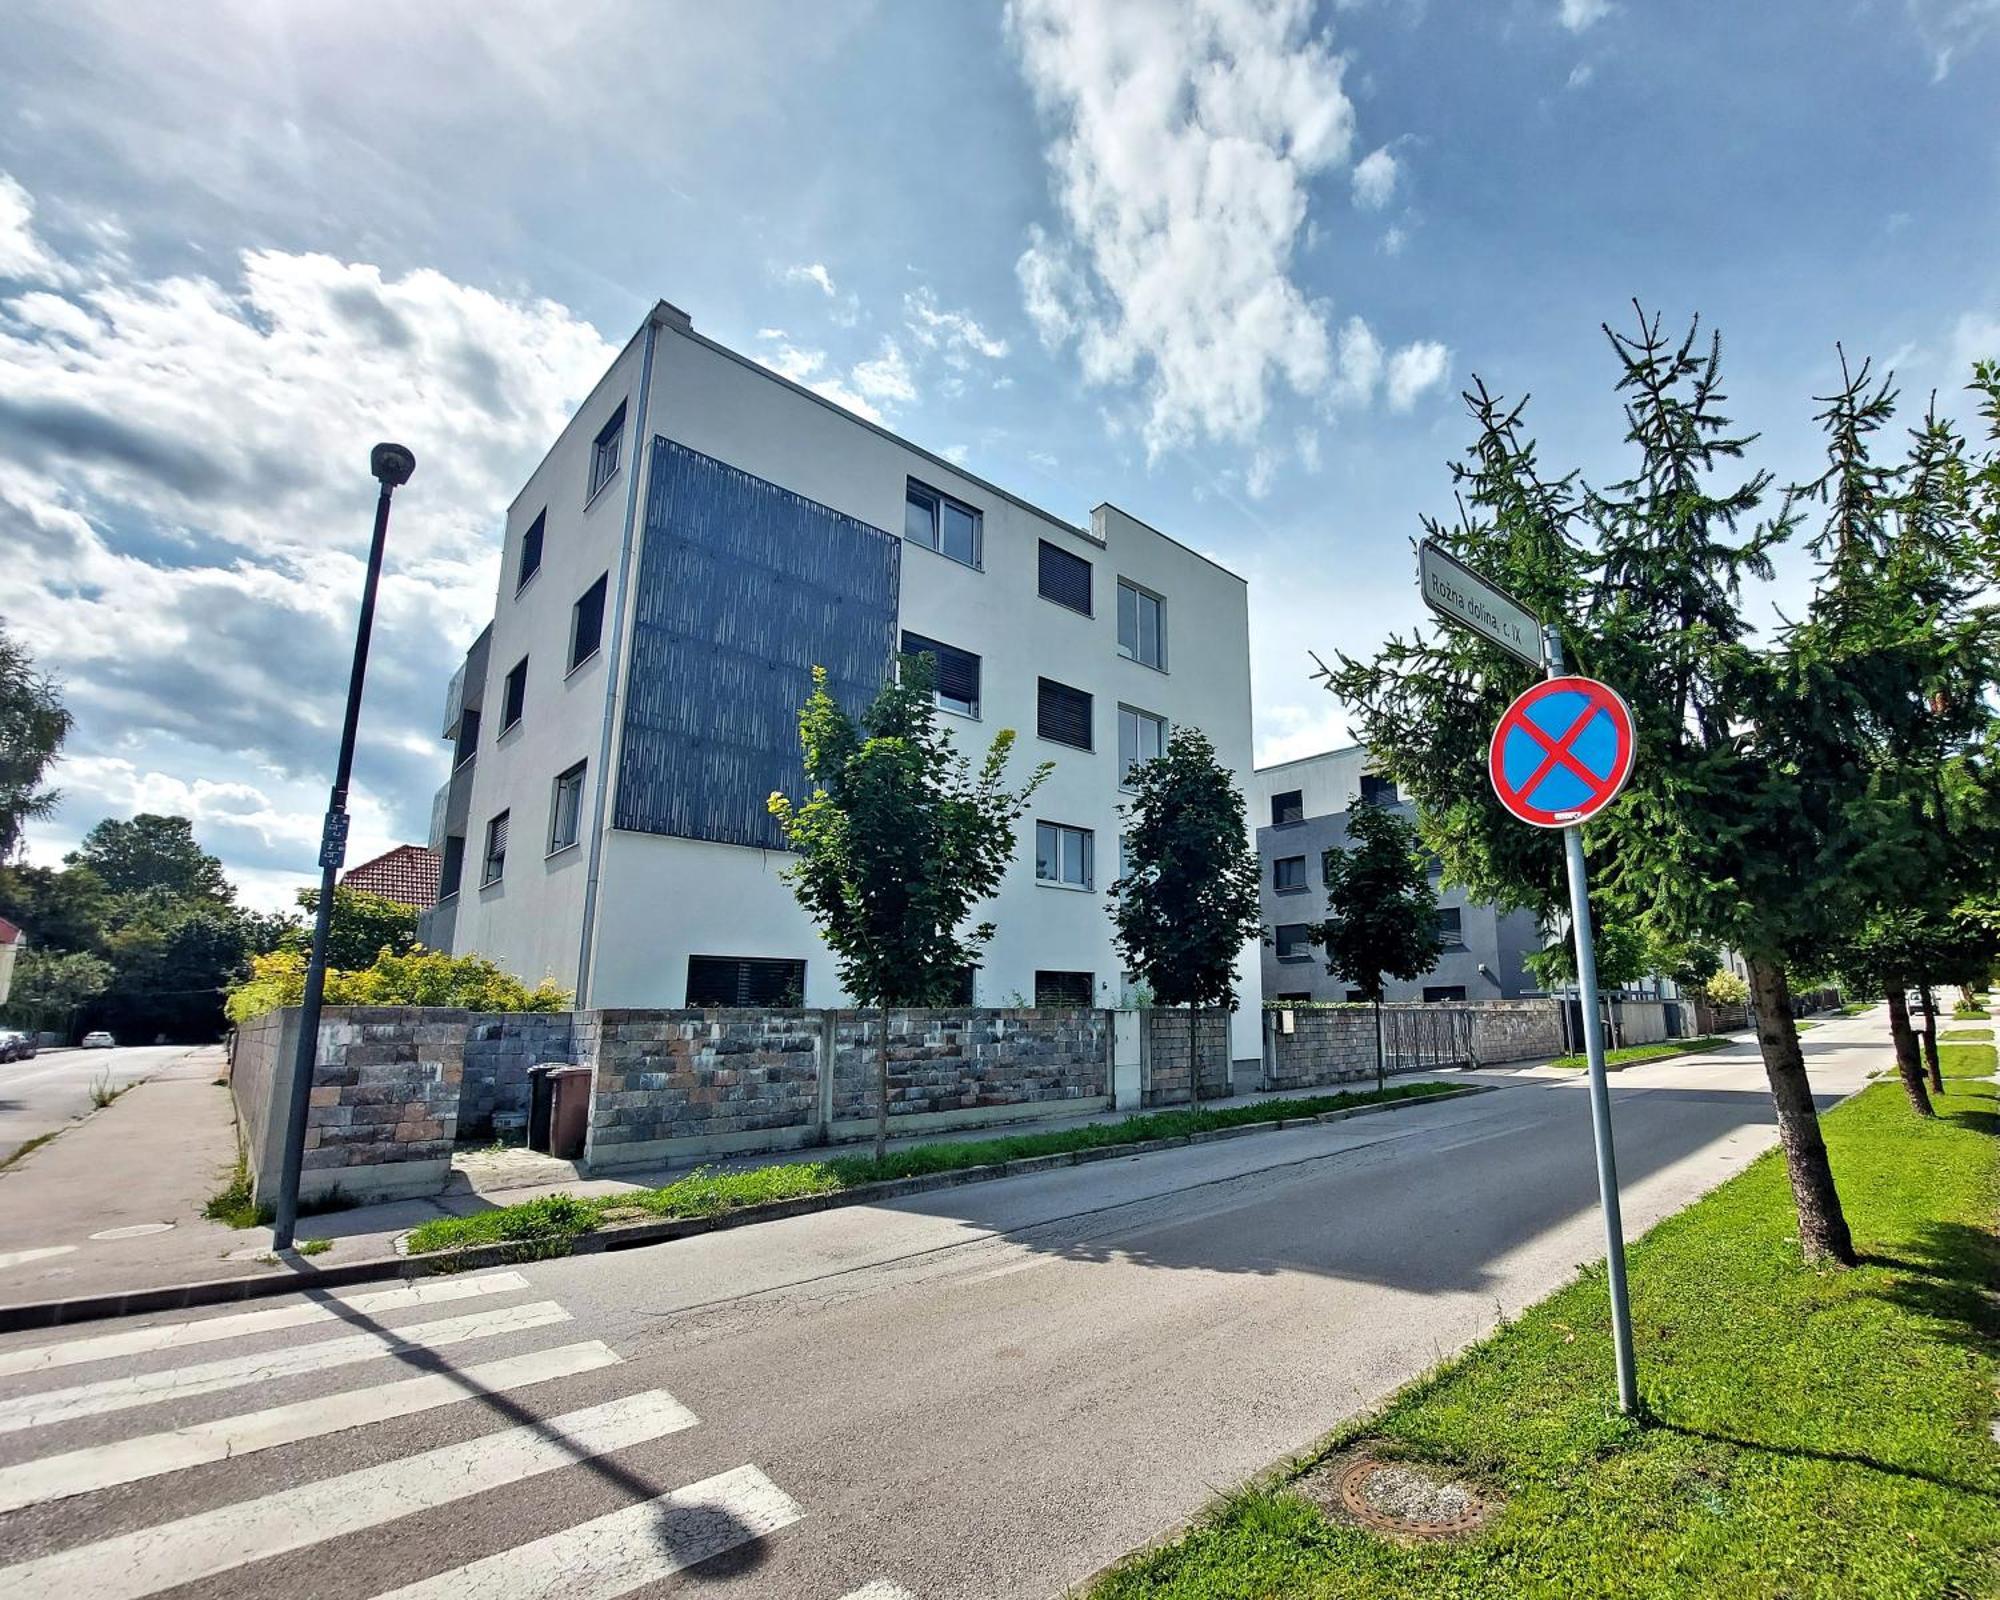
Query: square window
[1288,874]
[1377,790]
[531,550]
[1064,990]
[957,672]
[934,520]
[1062,714]
[452,868]
[586,623]
[1142,625]
[514,695]
[1288,807]
[1451,927]
[468,739]
[1435,992]
[1064,855]
[604,452]
[566,809]
[726,981]
[1294,941]
[496,850]
[1141,737]
[1064,577]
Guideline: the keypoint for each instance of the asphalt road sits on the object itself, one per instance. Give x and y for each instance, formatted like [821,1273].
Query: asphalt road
[975,1393]
[52,1089]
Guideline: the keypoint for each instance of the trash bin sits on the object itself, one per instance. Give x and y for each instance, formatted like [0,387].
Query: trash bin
[541,1094]
[569,1113]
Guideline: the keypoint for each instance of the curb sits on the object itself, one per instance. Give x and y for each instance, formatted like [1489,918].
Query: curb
[635,1235]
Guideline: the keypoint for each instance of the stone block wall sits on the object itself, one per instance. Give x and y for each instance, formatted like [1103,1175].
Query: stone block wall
[1164,1064]
[733,1080]
[1517,1030]
[500,1047]
[384,1101]
[950,1061]
[1336,1044]
[1327,1045]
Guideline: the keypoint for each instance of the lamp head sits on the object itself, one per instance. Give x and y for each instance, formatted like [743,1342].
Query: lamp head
[392,463]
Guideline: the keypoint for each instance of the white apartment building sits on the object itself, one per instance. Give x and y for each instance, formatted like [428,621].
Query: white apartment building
[702,534]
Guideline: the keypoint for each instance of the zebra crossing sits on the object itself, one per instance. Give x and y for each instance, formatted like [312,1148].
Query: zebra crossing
[72,1556]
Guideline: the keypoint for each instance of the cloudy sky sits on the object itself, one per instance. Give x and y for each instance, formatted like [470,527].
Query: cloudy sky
[1226,263]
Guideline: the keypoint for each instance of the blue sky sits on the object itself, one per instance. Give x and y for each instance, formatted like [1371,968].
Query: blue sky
[1226,264]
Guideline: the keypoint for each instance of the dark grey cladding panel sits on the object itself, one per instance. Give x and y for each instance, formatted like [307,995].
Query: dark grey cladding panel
[743,588]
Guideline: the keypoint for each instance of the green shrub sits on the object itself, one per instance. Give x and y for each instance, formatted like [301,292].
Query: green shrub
[420,978]
[1726,989]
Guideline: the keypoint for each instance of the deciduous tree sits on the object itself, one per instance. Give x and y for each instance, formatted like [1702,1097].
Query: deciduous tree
[33,725]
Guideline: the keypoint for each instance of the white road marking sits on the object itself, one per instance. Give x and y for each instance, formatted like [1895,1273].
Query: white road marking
[615,1554]
[175,1335]
[20,1258]
[119,1394]
[880,1589]
[136,1230]
[128,1460]
[148,1560]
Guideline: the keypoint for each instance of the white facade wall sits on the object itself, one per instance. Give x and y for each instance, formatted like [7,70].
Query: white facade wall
[1330,783]
[662,899]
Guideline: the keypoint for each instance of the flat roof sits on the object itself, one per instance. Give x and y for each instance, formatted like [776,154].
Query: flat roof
[1299,761]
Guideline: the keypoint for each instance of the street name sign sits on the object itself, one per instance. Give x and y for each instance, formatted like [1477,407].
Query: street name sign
[1454,591]
[1562,752]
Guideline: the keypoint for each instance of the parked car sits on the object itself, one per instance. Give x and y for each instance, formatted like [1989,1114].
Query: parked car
[99,1040]
[15,1046]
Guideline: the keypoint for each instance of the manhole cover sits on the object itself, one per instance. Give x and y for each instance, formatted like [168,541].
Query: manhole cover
[1406,1498]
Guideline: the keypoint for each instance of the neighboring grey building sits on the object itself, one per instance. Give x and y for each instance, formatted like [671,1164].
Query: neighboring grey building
[700,536]
[1300,810]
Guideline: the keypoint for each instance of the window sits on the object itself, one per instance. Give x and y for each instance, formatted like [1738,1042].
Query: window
[938,522]
[1288,807]
[1294,941]
[515,695]
[586,624]
[745,981]
[1141,737]
[964,980]
[496,850]
[1434,992]
[1062,713]
[1142,625]
[1058,990]
[1065,578]
[604,452]
[468,739]
[531,550]
[1288,875]
[957,672]
[1450,926]
[1295,997]
[566,809]
[1356,997]
[1063,855]
[452,868]
[1377,790]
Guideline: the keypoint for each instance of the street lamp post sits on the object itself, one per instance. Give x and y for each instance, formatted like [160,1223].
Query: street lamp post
[392,465]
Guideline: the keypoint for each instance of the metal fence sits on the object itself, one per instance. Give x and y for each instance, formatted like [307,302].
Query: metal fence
[1422,1038]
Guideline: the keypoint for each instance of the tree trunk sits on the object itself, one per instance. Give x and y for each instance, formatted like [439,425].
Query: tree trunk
[882,1088]
[1194,1061]
[1823,1234]
[1930,1040]
[1381,1066]
[1908,1067]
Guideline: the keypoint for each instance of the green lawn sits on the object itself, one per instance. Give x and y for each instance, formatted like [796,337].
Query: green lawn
[1965,1035]
[1632,1054]
[548,1225]
[1813,1433]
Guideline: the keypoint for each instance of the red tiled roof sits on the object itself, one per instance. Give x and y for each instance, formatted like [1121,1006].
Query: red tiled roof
[9,934]
[407,874]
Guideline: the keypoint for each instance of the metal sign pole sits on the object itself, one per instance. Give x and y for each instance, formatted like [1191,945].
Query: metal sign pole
[1600,1093]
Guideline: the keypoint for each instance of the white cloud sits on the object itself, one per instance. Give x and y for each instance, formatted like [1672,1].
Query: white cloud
[1393,240]
[1262,472]
[953,334]
[814,273]
[1576,15]
[1579,75]
[1976,337]
[1359,366]
[1184,142]
[1951,28]
[183,480]
[1308,446]
[1413,369]
[23,256]
[1375,177]
[886,377]
[956,453]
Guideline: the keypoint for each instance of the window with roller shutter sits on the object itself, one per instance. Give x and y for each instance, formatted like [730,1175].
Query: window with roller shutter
[496,850]
[957,672]
[1064,578]
[1062,714]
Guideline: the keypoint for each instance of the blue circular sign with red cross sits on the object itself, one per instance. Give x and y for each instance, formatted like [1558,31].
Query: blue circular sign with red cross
[1562,752]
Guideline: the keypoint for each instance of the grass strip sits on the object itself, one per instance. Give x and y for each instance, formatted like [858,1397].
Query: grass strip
[703,1193]
[1964,1035]
[29,1146]
[1632,1054]
[1813,1433]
